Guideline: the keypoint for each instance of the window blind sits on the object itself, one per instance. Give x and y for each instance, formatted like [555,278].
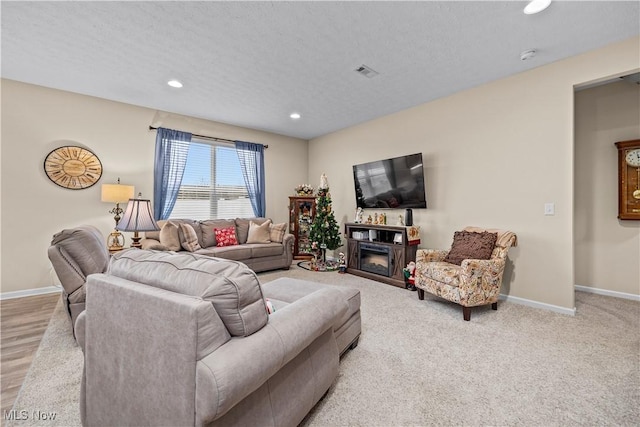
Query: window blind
[212,185]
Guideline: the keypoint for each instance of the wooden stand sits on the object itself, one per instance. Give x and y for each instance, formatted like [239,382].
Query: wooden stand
[386,237]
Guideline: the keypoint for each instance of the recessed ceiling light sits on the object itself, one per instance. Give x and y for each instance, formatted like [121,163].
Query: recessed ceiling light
[174,83]
[527,54]
[536,6]
[295,116]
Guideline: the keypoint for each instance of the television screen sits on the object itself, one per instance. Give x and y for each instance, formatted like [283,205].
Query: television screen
[396,183]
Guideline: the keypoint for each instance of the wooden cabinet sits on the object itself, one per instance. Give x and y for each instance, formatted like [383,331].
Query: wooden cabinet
[302,210]
[379,252]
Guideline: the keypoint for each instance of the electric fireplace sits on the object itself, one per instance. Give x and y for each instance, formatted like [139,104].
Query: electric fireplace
[375,259]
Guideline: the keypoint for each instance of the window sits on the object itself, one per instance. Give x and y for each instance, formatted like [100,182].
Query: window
[212,185]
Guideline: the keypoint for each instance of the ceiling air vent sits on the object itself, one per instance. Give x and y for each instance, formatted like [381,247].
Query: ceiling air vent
[366,71]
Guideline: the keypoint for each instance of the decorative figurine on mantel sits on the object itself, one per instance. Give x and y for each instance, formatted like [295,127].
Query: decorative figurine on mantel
[400,221]
[369,220]
[375,218]
[358,218]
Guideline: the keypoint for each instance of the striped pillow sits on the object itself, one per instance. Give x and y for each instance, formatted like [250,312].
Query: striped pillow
[189,238]
[276,232]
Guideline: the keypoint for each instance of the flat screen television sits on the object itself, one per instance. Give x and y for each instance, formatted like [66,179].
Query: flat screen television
[396,183]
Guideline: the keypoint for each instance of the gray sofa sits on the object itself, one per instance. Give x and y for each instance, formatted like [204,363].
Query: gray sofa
[258,256]
[185,339]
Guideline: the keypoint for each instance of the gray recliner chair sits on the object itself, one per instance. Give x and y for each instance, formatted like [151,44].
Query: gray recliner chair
[76,253]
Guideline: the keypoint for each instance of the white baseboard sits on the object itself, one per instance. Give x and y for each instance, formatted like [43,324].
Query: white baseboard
[608,293]
[536,304]
[30,292]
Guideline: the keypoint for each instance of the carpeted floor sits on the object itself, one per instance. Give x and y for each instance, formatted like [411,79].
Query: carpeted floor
[419,363]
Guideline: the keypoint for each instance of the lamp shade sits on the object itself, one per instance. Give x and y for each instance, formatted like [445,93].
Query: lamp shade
[138,216]
[117,193]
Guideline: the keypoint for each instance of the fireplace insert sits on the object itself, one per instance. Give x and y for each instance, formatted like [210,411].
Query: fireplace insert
[375,259]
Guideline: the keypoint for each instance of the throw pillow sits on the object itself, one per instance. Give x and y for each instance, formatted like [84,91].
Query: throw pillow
[226,236]
[471,245]
[189,238]
[170,236]
[269,305]
[276,232]
[259,233]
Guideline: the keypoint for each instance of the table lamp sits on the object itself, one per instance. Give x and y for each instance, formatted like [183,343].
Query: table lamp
[116,193]
[138,216]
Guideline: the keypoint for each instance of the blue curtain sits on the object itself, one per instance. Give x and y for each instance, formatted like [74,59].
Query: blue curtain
[252,164]
[172,148]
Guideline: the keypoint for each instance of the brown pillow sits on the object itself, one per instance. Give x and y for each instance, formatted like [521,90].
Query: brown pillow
[276,232]
[169,236]
[471,245]
[259,233]
[189,238]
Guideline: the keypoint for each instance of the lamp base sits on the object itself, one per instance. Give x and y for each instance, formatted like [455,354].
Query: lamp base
[115,241]
[135,240]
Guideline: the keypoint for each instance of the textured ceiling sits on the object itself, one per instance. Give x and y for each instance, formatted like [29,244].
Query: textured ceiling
[253,63]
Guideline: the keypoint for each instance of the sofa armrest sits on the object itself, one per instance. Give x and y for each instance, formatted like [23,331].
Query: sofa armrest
[431,255]
[150,243]
[79,329]
[140,353]
[242,365]
[288,241]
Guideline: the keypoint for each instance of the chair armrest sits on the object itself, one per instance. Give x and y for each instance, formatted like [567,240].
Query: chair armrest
[480,280]
[67,269]
[240,366]
[431,255]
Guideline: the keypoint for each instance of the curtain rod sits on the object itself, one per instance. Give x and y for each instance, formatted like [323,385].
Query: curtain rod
[228,141]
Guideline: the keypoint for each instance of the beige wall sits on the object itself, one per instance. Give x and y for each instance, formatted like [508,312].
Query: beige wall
[36,120]
[494,155]
[607,250]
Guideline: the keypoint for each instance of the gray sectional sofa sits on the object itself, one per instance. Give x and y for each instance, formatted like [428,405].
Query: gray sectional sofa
[186,339]
[258,256]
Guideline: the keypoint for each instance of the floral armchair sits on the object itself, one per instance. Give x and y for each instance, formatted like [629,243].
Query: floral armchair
[473,282]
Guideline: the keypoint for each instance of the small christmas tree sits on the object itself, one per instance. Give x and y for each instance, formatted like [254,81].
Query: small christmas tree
[324,229]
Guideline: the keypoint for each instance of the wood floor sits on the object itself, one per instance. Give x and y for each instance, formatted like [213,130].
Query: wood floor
[22,325]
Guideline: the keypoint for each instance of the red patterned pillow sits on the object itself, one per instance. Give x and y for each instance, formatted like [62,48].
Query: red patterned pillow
[225,236]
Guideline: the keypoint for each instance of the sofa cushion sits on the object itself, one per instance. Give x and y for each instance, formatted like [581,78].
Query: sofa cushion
[235,252]
[230,286]
[208,234]
[276,232]
[242,227]
[259,233]
[189,238]
[471,245]
[170,236]
[225,236]
[259,250]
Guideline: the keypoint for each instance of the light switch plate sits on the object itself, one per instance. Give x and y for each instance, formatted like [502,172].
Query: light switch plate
[549,208]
